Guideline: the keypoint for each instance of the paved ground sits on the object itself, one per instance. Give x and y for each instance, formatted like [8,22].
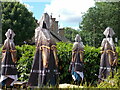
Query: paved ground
[69,86]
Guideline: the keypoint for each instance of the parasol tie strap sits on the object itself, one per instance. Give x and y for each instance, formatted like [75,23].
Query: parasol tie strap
[81,51]
[9,50]
[44,46]
[53,47]
[107,51]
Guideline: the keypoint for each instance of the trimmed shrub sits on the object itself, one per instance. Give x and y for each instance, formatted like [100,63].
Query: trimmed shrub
[25,54]
[92,62]
[64,51]
[111,82]
[118,51]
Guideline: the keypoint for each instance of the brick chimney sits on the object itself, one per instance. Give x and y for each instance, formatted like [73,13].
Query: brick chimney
[61,32]
[54,26]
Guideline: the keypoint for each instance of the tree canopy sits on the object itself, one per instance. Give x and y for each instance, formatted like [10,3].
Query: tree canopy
[95,21]
[17,17]
[98,18]
[88,37]
[70,33]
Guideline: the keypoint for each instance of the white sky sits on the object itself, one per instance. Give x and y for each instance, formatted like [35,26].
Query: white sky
[67,12]
[70,11]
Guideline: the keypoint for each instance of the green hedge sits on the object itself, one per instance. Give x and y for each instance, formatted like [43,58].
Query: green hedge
[91,59]
[64,51]
[111,82]
[25,54]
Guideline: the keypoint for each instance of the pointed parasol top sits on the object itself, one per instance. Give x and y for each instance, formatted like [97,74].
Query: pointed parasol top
[78,44]
[10,34]
[45,21]
[108,32]
[78,38]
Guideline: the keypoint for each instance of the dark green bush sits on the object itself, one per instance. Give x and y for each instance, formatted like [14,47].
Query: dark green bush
[64,50]
[25,55]
[91,59]
[118,50]
[92,62]
[111,82]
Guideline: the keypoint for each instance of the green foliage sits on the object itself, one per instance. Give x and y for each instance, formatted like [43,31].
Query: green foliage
[16,16]
[98,18]
[118,51]
[92,61]
[25,55]
[70,33]
[88,37]
[91,38]
[64,52]
[111,82]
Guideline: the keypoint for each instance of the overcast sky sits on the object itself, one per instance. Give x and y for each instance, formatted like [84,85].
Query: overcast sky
[67,12]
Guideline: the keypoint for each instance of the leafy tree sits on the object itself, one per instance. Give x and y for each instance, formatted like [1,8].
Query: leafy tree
[87,36]
[16,16]
[0,25]
[91,38]
[70,33]
[98,18]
